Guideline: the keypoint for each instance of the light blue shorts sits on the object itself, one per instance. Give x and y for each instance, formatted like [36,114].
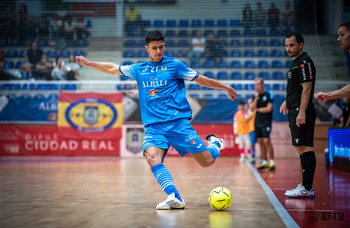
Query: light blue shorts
[177,133]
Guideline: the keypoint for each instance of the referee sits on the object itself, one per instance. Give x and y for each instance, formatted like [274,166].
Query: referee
[301,112]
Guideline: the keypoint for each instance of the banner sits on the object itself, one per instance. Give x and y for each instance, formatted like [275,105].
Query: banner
[28,108]
[46,141]
[90,115]
[132,141]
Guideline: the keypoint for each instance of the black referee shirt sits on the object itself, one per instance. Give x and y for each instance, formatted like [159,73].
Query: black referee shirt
[302,70]
[263,100]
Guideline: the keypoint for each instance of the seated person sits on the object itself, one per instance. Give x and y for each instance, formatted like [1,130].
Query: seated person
[132,19]
[72,69]
[59,72]
[213,48]
[43,69]
[81,29]
[198,47]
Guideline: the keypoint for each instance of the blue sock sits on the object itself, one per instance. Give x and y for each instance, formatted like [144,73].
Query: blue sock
[214,149]
[165,179]
[252,151]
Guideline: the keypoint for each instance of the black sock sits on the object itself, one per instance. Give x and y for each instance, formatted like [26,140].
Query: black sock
[308,164]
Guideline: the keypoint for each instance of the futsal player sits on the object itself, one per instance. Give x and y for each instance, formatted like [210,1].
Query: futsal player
[344,44]
[262,103]
[166,112]
[250,119]
[301,112]
[241,131]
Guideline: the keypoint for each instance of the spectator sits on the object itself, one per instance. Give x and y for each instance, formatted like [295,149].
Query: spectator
[132,19]
[69,29]
[72,69]
[2,54]
[31,30]
[247,17]
[81,29]
[44,27]
[346,112]
[213,48]
[259,15]
[43,68]
[59,72]
[61,12]
[4,25]
[4,72]
[198,46]
[22,10]
[287,18]
[17,28]
[34,55]
[273,15]
[56,27]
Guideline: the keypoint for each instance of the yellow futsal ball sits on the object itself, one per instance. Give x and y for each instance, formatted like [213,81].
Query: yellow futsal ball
[220,198]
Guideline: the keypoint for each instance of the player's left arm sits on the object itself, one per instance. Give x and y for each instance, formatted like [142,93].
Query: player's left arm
[305,97]
[266,109]
[212,83]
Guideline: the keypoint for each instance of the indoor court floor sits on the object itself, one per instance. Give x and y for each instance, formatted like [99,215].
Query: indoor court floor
[122,192]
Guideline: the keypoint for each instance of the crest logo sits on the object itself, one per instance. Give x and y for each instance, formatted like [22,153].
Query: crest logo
[164,68]
[193,141]
[91,115]
[152,92]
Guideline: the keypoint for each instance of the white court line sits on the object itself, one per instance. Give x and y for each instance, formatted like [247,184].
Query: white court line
[282,212]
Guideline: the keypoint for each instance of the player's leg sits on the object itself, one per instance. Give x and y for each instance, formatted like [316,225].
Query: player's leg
[155,146]
[302,139]
[207,157]
[252,146]
[263,152]
[247,146]
[241,148]
[184,138]
[154,158]
[270,153]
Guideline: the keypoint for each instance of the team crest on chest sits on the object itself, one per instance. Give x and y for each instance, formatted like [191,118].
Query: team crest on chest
[164,68]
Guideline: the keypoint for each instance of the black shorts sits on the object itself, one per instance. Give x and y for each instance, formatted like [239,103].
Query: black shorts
[303,135]
[262,130]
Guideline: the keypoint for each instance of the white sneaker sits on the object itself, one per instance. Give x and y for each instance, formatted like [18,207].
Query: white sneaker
[300,192]
[241,160]
[212,138]
[171,203]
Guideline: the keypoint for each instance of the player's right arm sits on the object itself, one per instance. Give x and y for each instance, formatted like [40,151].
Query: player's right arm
[105,67]
[343,92]
[254,104]
[284,108]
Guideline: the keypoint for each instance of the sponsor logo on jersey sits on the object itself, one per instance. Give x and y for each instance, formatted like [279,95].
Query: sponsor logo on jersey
[152,92]
[310,70]
[147,84]
[191,138]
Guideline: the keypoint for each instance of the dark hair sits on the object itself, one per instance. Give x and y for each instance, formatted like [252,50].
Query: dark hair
[154,36]
[298,37]
[345,24]
[241,103]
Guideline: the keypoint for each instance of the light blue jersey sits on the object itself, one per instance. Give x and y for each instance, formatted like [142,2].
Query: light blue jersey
[162,91]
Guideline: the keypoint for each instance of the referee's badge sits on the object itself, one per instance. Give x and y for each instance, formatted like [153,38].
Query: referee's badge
[264,98]
[289,74]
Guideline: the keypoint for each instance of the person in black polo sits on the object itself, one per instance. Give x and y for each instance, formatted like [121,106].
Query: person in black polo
[301,112]
[262,103]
